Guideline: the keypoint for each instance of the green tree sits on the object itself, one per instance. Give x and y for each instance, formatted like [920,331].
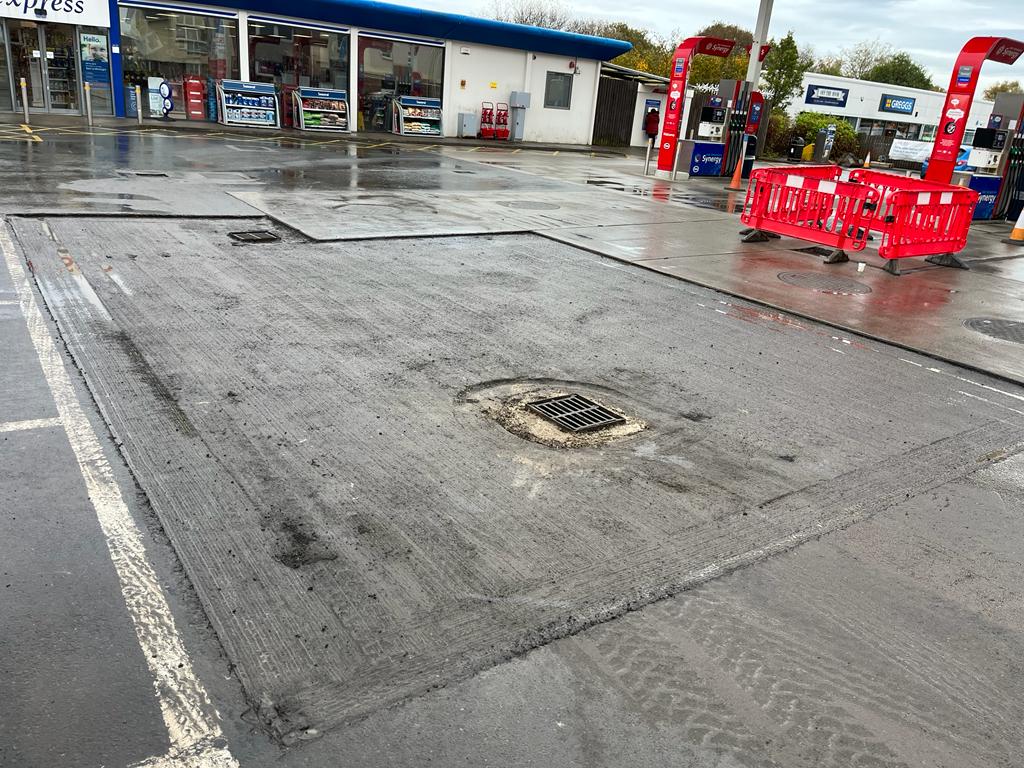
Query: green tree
[783,72]
[808,124]
[650,52]
[863,57]
[1003,86]
[900,69]
[711,70]
[829,64]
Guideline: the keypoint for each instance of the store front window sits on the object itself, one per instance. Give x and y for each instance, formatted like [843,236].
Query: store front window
[392,68]
[158,46]
[298,57]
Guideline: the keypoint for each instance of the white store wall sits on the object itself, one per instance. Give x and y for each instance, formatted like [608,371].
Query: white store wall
[562,126]
[469,78]
[864,99]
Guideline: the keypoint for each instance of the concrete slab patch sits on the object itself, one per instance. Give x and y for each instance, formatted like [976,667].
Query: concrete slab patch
[354,215]
[359,534]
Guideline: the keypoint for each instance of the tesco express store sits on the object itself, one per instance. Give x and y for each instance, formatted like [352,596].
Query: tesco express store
[374,52]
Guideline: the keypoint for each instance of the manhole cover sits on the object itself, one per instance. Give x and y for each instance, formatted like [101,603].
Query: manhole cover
[1007,330]
[840,286]
[529,205]
[254,236]
[575,413]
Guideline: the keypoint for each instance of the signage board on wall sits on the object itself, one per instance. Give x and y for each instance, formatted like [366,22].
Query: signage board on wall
[92,13]
[95,60]
[914,151]
[900,105]
[650,104]
[826,96]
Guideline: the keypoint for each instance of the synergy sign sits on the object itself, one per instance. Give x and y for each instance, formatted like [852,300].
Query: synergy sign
[826,96]
[900,105]
[93,13]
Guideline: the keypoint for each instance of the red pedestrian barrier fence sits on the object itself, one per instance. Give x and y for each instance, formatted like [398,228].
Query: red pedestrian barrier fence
[912,217]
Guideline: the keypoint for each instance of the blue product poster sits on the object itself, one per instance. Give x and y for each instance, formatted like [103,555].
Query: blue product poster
[95,59]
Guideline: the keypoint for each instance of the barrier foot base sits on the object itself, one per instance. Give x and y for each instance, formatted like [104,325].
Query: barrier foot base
[748,230]
[836,256]
[892,267]
[946,260]
[753,235]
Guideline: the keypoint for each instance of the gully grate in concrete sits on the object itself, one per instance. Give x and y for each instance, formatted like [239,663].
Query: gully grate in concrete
[575,413]
[834,284]
[997,328]
[254,236]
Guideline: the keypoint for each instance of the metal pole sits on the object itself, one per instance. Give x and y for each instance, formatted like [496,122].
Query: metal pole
[764,15]
[675,161]
[24,98]
[88,104]
[138,103]
[647,162]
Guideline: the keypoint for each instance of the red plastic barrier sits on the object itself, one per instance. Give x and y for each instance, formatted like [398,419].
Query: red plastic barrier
[917,217]
[811,204]
[913,217]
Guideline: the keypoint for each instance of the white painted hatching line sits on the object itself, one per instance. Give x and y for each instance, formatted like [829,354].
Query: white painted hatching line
[965,380]
[195,736]
[20,426]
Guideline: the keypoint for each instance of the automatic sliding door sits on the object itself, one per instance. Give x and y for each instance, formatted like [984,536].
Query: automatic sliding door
[27,62]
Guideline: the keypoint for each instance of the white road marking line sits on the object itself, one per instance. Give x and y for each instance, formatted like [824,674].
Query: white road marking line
[191,720]
[19,426]
[984,400]
[966,381]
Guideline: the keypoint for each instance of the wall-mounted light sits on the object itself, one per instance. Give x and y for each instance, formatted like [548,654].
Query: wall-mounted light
[41,13]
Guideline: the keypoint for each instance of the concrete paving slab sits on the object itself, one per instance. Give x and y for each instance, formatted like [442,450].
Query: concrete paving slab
[924,309]
[367,213]
[312,427]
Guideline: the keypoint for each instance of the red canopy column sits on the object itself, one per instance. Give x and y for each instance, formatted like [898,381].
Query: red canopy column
[959,95]
[670,125]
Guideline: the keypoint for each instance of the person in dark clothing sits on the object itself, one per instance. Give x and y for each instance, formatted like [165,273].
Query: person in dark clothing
[651,122]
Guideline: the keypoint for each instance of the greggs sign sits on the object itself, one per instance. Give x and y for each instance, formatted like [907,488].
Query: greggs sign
[93,13]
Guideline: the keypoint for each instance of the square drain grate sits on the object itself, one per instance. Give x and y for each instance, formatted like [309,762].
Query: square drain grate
[254,236]
[575,413]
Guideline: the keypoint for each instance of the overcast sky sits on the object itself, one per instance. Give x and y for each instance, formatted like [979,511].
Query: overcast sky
[933,31]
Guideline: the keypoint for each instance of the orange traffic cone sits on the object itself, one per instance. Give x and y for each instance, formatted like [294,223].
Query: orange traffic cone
[867,160]
[1017,235]
[736,185]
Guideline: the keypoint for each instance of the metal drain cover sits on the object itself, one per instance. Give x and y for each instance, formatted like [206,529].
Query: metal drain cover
[834,284]
[1007,330]
[529,205]
[254,236]
[575,413]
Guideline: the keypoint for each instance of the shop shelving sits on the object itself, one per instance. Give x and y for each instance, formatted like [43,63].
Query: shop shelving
[416,116]
[252,104]
[321,109]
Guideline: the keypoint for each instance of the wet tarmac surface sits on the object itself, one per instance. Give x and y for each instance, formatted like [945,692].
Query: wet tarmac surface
[312,421]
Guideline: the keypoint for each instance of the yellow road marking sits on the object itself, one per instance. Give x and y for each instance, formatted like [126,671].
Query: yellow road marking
[25,128]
